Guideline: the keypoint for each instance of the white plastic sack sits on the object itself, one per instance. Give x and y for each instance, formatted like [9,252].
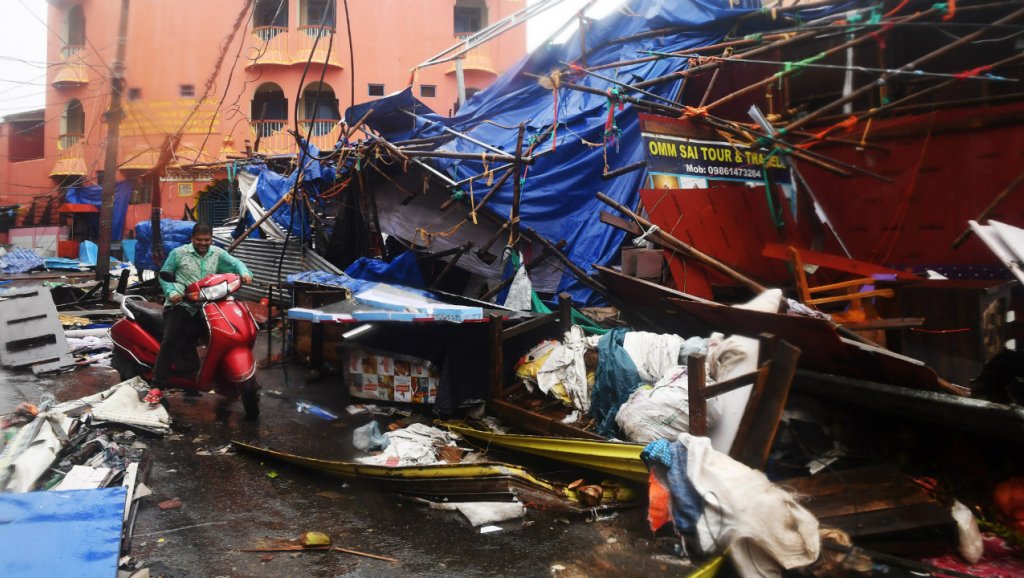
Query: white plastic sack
[662,411]
[368,438]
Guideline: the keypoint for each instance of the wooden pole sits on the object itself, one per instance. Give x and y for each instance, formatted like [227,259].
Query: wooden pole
[517,186]
[991,207]
[668,240]
[910,66]
[113,117]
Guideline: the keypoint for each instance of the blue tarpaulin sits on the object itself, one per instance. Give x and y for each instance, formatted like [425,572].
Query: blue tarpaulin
[94,196]
[402,270]
[70,533]
[19,260]
[558,190]
[270,187]
[173,234]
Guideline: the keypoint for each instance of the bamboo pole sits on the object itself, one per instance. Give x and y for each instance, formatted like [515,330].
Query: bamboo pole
[991,207]
[881,80]
[666,239]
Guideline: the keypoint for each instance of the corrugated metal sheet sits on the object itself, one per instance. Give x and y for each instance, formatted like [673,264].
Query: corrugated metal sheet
[264,256]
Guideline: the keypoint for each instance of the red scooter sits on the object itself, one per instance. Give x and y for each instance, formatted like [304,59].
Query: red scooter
[228,365]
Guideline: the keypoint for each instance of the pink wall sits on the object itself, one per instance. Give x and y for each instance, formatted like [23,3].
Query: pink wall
[176,43]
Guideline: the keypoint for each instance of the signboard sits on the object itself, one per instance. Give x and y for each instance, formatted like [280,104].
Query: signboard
[684,149]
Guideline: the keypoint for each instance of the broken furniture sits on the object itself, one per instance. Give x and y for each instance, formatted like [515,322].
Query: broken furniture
[965,322]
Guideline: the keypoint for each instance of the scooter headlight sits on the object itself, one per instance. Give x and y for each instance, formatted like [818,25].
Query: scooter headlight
[214,292]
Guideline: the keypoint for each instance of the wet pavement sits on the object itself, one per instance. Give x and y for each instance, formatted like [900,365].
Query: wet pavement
[237,501]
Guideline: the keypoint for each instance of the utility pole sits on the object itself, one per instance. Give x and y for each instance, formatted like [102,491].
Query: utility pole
[114,115]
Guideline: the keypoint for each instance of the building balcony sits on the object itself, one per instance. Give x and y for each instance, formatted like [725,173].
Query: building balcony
[70,156]
[324,134]
[480,59]
[72,71]
[273,137]
[272,45]
[141,158]
[320,36]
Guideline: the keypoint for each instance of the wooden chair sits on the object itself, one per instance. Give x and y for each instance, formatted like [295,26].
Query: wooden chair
[760,422]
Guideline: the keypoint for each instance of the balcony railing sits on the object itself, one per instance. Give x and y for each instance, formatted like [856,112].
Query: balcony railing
[324,134]
[272,46]
[72,71]
[320,36]
[70,155]
[273,136]
[478,58]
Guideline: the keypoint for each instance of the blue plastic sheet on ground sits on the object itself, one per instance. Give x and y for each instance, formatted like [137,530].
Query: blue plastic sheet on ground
[72,533]
[615,379]
[128,249]
[558,190]
[62,264]
[19,260]
[354,285]
[173,234]
[94,196]
[270,187]
[88,252]
[402,270]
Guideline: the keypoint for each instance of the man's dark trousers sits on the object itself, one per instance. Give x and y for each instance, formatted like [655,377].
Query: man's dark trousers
[178,347]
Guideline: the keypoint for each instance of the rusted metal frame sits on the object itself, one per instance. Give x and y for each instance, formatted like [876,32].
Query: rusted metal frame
[784,73]
[666,239]
[713,65]
[881,80]
[517,186]
[451,264]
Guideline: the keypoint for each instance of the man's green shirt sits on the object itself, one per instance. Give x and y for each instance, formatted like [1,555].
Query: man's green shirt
[189,267]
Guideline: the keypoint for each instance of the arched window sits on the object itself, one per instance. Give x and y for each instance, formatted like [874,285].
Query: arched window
[313,12]
[270,13]
[320,107]
[73,119]
[75,33]
[269,112]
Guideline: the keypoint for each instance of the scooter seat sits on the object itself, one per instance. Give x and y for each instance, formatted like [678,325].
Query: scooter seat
[149,316]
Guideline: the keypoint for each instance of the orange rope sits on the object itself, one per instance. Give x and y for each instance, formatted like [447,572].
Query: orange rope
[898,7]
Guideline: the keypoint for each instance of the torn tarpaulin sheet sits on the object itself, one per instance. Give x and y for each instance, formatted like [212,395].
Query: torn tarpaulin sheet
[558,196]
[72,533]
[19,260]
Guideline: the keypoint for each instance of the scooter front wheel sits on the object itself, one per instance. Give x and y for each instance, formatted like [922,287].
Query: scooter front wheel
[251,398]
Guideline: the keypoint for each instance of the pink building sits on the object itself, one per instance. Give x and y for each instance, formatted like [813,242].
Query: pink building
[257,96]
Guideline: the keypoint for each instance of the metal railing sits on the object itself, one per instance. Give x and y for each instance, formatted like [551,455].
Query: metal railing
[265,128]
[67,141]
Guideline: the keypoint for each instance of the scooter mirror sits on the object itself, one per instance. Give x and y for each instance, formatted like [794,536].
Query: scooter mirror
[167,276]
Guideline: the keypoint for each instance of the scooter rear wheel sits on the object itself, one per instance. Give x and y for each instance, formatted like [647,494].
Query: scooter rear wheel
[125,366]
[251,398]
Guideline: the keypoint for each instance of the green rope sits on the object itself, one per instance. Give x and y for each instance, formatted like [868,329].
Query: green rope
[458,195]
[944,7]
